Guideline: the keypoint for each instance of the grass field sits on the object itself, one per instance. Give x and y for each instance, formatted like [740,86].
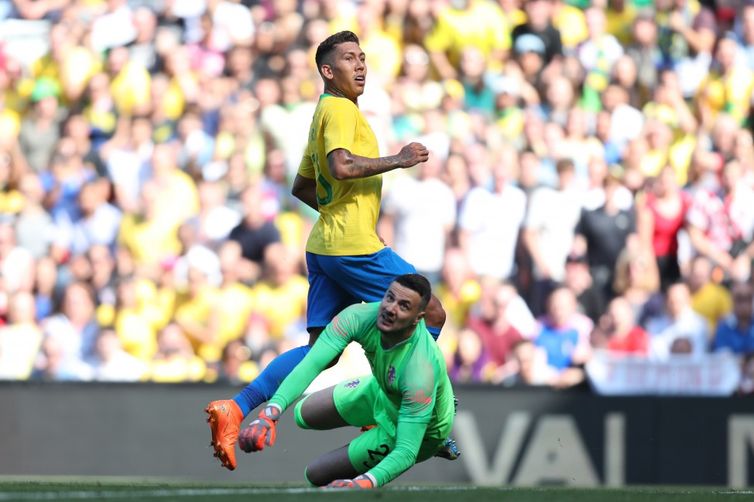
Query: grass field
[107,489]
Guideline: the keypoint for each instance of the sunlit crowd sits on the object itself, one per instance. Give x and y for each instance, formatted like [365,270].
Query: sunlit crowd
[590,187]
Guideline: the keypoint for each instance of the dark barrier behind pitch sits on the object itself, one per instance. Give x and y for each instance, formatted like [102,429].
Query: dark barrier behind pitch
[508,436]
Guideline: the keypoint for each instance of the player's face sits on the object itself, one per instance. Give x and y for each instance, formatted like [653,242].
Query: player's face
[348,72]
[400,309]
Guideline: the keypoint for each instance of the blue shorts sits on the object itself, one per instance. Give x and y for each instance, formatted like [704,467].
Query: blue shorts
[335,282]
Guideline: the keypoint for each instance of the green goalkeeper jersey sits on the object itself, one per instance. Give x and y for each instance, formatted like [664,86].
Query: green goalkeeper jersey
[417,397]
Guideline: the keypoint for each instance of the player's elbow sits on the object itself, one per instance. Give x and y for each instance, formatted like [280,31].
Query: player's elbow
[300,186]
[435,314]
[297,192]
[339,172]
[340,163]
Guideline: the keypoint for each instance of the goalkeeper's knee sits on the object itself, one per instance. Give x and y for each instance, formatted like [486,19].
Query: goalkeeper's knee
[299,418]
[306,476]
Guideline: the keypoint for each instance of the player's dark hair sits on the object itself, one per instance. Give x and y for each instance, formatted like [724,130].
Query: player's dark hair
[326,47]
[418,283]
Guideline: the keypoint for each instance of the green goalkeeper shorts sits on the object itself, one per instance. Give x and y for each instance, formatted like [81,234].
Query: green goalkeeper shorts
[358,403]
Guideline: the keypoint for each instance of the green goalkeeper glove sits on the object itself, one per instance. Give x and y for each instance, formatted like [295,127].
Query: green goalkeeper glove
[261,432]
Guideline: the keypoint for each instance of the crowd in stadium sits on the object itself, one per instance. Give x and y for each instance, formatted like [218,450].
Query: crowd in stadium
[590,185]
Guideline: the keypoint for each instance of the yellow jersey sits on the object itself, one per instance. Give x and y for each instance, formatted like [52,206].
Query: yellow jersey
[348,209]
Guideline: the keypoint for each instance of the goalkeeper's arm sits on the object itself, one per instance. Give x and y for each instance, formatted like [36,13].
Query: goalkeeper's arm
[408,440]
[262,432]
[318,358]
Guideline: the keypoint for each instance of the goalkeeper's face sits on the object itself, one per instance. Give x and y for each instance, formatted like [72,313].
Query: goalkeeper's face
[400,310]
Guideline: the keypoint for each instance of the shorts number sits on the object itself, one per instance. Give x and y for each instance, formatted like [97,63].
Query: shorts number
[376,455]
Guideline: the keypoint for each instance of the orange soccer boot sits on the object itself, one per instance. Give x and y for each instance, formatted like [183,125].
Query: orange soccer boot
[225,422]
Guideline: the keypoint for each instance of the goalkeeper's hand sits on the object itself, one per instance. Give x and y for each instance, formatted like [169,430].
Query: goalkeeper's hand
[261,432]
[360,482]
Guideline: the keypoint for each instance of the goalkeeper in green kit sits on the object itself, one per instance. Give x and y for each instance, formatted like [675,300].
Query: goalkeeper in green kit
[408,397]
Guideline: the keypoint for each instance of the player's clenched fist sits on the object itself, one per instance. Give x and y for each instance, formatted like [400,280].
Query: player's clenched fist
[412,154]
[360,482]
[261,432]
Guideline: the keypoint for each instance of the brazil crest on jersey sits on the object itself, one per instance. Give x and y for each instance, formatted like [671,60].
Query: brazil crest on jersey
[348,209]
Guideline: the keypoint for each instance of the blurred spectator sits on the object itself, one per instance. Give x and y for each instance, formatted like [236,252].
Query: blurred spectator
[459,289]
[467,23]
[16,262]
[564,336]
[591,301]
[686,39]
[195,305]
[98,221]
[645,52]
[142,49]
[746,386]
[539,24]
[661,215]
[40,131]
[735,332]
[605,231]
[470,363]
[280,297]
[20,339]
[147,236]
[74,327]
[136,320]
[215,219]
[746,34]
[721,225]
[112,363]
[114,27]
[532,368]
[102,278]
[637,281]
[617,330]
[488,240]
[53,365]
[34,227]
[417,217]
[498,336]
[549,231]
[175,360]
[679,330]
[708,298]
[234,302]
[728,87]
[236,367]
[254,233]
[597,55]
[45,287]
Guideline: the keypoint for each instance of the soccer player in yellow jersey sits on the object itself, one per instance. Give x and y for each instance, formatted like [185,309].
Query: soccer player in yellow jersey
[339,176]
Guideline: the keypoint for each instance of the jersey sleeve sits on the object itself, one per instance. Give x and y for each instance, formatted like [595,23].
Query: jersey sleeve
[408,440]
[303,374]
[306,167]
[418,387]
[330,344]
[339,124]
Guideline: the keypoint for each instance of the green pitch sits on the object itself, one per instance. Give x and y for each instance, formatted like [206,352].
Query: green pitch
[148,491]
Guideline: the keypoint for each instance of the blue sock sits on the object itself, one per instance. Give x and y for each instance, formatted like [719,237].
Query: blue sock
[264,386]
[434,331]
